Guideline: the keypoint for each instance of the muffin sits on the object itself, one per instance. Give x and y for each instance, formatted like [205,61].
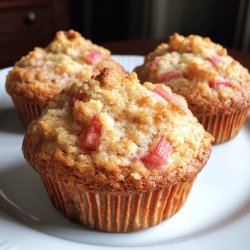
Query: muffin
[216,87]
[115,155]
[44,72]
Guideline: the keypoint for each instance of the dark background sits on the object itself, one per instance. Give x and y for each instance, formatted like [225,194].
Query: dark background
[25,24]
[112,20]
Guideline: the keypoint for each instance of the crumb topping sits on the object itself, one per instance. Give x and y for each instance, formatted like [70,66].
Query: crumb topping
[44,72]
[197,69]
[114,123]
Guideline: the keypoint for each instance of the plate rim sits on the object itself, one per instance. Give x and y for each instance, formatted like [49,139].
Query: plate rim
[234,226]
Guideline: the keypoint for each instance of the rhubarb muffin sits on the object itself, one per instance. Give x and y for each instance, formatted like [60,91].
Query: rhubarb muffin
[216,87]
[37,77]
[115,155]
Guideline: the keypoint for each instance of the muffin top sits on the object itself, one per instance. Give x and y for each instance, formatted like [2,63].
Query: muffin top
[44,72]
[112,133]
[201,71]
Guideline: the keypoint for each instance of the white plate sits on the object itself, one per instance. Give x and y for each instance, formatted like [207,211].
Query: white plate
[216,215]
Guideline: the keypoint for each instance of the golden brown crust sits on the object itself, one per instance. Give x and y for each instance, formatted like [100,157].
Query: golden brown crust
[34,94]
[133,118]
[201,105]
[37,77]
[96,179]
[203,64]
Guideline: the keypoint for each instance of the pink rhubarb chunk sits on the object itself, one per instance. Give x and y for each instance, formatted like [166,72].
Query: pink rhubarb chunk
[159,155]
[167,76]
[93,57]
[90,139]
[170,98]
[219,84]
[214,60]
[164,94]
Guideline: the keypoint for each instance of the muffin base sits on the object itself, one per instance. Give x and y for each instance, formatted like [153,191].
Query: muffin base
[27,111]
[223,127]
[116,212]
